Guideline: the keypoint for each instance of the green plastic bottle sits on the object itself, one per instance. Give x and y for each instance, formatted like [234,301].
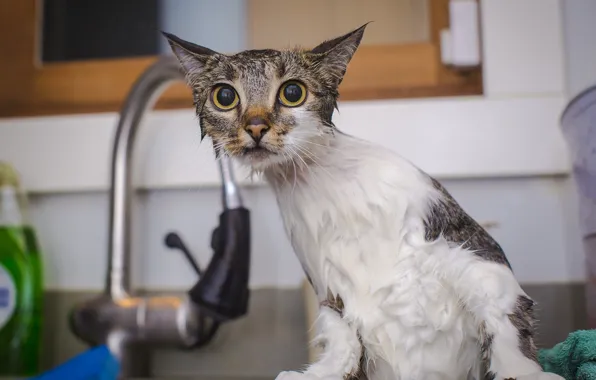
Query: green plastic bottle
[21,282]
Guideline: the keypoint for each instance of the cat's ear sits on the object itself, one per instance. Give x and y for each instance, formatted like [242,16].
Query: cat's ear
[192,57]
[335,54]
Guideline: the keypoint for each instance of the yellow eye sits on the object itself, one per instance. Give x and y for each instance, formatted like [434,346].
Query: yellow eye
[292,94]
[225,97]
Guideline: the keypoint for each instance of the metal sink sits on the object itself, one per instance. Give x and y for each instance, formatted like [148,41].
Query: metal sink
[273,337]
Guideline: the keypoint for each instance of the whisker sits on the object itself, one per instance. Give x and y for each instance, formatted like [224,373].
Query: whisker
[300,157]
[316,144]
[295,171]
[295,154]
[313,157]
[310,142]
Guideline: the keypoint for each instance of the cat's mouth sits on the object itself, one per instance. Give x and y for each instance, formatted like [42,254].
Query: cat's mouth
[260,158]
[257,153]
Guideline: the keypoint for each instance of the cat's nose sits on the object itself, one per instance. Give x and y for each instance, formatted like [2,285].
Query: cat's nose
[256,128]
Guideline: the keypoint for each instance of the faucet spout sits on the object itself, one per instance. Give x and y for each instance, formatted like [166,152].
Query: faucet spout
[121,319]
[144,94]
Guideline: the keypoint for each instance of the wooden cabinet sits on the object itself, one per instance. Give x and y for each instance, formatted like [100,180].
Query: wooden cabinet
[31,87]
[399,57]
[400,53]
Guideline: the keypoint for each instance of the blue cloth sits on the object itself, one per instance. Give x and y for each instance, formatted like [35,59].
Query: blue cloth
[574,358]
[94,364]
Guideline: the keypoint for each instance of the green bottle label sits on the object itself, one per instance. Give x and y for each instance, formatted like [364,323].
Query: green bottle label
[7,296]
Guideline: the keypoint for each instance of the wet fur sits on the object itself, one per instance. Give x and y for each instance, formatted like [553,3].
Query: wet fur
[411,287]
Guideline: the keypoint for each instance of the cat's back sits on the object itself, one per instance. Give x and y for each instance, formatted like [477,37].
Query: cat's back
[427,200]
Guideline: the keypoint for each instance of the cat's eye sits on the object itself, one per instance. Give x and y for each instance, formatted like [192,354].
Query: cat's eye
[225,97]
[292,94]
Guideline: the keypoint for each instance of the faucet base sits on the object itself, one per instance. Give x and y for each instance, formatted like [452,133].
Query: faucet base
[130,326]
[135,361]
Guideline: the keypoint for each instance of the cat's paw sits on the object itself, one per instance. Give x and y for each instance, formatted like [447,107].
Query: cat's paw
[541,376]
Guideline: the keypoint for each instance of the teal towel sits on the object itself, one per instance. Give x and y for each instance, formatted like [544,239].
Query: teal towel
[574,358]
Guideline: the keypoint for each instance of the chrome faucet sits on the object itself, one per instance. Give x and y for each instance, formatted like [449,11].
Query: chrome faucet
[131,324]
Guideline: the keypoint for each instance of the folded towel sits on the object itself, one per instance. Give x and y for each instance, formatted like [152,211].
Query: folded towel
[574,358]
[93,364]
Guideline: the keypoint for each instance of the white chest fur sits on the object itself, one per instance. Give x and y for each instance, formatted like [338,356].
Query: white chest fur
[357,228]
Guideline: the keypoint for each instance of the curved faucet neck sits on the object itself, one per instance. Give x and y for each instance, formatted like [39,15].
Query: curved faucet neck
[142,97]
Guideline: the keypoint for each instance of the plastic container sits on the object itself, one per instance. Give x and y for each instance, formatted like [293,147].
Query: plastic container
[94,364]
[578,123]
[21,282]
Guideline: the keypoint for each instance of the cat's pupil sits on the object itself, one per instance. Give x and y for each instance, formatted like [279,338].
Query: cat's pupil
[226,96]
[293,93]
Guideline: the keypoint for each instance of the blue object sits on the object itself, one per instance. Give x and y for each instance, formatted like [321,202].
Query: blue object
[94,364]
[574,358]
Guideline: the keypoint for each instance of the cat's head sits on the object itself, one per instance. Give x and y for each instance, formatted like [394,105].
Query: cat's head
[267,107]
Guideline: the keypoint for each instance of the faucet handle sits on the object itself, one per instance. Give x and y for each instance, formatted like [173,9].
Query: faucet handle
[223,290]
[174,241]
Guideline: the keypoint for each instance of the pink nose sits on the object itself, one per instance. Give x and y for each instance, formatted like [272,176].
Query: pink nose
[256,128]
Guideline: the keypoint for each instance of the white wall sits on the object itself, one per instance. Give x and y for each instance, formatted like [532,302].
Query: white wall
[72,230]
[506,143]
[526,214]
